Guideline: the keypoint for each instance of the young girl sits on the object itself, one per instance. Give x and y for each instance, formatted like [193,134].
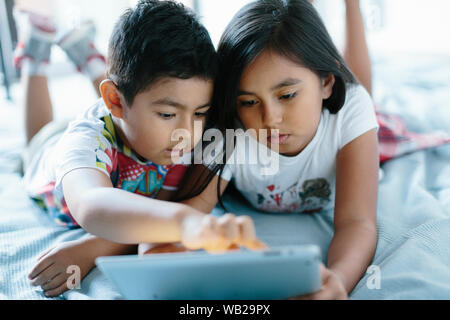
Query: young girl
[280,73]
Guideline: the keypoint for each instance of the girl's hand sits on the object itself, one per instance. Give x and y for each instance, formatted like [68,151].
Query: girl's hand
[51,271]
[219,234]
[332,287]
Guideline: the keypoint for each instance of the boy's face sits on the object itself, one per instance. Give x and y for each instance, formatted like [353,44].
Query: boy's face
[170,105]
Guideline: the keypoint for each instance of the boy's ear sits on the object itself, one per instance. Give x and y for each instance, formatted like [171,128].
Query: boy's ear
[111,97]
[327,86]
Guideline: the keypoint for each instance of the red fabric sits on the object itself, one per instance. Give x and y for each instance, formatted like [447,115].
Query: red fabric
[395,140]
[174,176]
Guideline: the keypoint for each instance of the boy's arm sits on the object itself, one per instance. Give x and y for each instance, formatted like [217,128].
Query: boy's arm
[121,216]
[82,254]
[204,202]
[99,247]
[54,268]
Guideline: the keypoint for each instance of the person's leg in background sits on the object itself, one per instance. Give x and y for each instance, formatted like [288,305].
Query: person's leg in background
[32,56]
[79,47]
[394,137]
[356,51]
[36,37]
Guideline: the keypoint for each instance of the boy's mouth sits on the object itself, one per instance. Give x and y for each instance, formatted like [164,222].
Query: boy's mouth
[278,139]
[175,152]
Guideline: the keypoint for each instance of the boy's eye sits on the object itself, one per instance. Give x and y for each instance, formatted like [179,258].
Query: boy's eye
[248,103]
[201,114]
[167,116]
[288,96]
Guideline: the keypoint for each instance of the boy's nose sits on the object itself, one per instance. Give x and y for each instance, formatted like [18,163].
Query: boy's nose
[195,129]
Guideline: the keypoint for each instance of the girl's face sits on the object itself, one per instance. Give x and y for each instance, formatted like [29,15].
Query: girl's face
[277,93]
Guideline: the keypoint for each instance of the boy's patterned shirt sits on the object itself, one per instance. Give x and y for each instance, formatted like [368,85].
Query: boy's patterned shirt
[121,164]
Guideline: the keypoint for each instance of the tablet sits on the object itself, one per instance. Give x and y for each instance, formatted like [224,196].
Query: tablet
[276,273]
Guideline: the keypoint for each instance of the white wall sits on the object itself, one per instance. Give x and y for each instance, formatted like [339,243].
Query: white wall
[415,26]
[216,15]
[412,26]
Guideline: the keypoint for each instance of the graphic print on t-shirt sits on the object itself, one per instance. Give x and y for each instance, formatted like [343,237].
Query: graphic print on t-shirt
[312,197]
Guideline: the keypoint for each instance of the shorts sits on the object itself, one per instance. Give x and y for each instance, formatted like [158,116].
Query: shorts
[51,131]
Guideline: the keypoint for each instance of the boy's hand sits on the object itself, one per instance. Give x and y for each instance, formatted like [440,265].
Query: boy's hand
[332,287]
[219,234]
[50,273]
[150,248]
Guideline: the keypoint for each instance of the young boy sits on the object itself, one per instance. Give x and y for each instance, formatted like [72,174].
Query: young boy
[113,167]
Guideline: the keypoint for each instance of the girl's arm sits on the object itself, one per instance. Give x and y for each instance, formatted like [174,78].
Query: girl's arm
[355,238]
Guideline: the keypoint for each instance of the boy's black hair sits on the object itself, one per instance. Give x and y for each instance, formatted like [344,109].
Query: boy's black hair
[291,28]
[158,39]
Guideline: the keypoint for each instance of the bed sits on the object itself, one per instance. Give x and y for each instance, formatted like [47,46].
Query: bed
[412,258]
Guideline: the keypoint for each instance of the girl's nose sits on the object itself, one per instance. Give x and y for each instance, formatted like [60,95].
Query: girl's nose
[272,115]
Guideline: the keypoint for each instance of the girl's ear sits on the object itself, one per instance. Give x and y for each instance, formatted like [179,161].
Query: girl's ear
[327,86]
[111,97]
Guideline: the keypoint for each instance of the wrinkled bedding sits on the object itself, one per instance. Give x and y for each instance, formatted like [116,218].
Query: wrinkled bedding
[413,251]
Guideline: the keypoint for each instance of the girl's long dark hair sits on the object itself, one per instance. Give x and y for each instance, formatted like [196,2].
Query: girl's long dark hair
[291,28]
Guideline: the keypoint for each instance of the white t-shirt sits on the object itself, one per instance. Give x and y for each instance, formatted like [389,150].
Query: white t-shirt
[306,182]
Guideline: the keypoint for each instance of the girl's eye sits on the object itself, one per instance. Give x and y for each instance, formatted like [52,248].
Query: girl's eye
[167,116]
[249,103]
[288,96]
